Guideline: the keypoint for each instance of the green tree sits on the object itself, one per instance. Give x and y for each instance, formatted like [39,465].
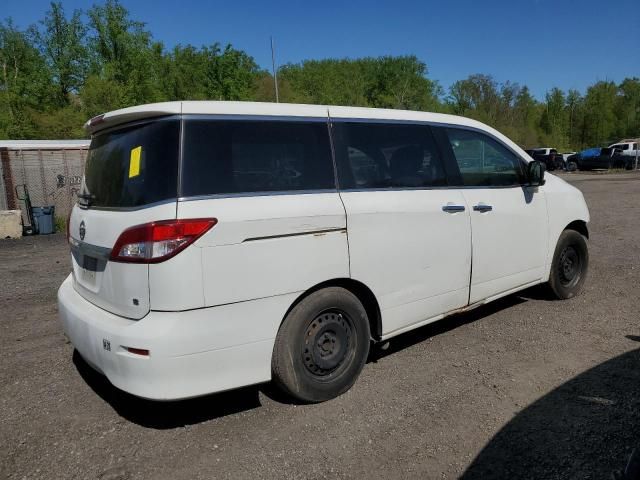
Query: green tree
[184,74]
[124,54]
[600,121]
[64,122]
[330,81]
[230,74]
[553,122]
[628,108]
[477,97]
[24,82]
[386,82]
[526,118]
[68,69]
[401,82]
[209,73]
[62,43]
[100,95]
[575,112]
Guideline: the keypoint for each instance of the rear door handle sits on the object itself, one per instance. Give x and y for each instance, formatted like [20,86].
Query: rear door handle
[450,208]
[482,207]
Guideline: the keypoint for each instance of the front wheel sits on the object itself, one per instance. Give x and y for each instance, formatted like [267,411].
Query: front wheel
[570,264]
[321,346]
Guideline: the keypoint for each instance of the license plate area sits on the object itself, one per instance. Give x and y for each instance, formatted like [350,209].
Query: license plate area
[89,269]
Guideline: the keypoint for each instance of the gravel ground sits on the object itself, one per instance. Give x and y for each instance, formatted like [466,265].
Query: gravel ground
[526,387]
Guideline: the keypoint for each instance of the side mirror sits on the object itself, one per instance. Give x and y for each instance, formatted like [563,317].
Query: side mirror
[535,173]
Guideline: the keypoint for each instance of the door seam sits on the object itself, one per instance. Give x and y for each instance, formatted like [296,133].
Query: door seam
[337,184]
[471,249]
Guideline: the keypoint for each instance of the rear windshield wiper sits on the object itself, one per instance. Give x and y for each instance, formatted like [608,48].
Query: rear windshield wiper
[87,197]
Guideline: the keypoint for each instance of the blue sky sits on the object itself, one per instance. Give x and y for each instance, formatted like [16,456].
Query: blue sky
[539,43]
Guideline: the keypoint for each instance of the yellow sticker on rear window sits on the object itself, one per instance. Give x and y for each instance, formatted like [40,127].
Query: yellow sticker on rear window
[134,162]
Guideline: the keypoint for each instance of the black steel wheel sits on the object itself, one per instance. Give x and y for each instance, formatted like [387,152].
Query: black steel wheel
[570,268]
[570,264]
[321,346]
[327,343]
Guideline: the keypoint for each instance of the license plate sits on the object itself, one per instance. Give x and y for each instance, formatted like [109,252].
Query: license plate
[89,267]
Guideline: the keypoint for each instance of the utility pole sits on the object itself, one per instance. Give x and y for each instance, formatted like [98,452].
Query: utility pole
[275,73]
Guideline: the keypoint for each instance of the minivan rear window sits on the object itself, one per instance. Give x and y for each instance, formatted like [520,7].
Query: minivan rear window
[132,166]
[246,156]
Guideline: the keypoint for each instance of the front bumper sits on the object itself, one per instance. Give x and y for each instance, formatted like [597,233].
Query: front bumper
[191,353]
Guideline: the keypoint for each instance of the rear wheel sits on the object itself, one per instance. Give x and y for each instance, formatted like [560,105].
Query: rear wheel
[321,346]
[570,265]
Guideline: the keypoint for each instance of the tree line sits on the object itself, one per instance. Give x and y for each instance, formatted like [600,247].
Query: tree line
[71,66]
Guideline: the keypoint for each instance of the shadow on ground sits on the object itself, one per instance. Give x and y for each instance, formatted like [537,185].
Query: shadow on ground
[174,414]
[166,415]
[421,334]
[586,428]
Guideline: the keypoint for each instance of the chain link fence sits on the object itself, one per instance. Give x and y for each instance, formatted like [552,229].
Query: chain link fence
[51,171]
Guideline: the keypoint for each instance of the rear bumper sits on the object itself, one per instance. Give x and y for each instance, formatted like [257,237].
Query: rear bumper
[191,353]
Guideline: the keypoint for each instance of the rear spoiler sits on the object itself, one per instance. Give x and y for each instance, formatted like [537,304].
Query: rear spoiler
[125,115]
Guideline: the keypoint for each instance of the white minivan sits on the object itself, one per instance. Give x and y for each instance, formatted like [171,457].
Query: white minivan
[222,244]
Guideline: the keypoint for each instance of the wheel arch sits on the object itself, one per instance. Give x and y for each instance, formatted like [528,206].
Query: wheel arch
[361,291]
[579,226]
[576,225]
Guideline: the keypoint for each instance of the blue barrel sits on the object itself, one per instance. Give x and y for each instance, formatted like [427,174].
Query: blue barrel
[43,219]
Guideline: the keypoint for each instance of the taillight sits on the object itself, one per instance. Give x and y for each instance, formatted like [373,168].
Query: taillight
[158,241]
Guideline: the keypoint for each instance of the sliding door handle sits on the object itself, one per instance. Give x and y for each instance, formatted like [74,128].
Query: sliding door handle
[450,208]
[482,207]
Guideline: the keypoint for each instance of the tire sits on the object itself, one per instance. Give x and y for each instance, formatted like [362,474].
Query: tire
[570,265]
[321,346]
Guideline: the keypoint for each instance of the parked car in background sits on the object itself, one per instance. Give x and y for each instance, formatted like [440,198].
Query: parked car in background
[549,156]
[572,162]
[603,158]
[544,151]
[569,165]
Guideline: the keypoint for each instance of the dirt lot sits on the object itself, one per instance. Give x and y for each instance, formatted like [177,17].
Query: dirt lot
[526,387]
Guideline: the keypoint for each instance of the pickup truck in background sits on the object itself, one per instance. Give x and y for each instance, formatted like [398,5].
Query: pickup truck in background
[602,158]
[550,156]
[628,147]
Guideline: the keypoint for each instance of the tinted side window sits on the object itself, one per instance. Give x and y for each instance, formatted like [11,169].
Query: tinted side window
[483,161]
[374,155]
[237,156]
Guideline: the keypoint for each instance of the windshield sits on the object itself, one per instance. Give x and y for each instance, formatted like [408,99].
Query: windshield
[132,166]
